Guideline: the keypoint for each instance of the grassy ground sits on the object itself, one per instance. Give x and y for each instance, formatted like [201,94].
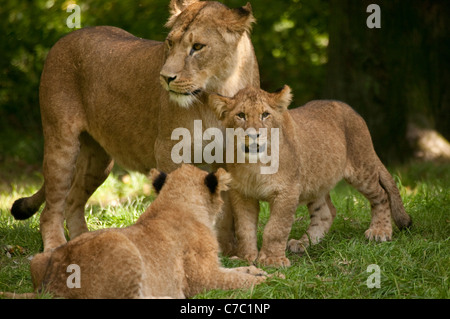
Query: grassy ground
[414,265]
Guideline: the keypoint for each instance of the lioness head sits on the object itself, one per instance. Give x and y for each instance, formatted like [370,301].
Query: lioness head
[195,189]
[202,48]
[254,113]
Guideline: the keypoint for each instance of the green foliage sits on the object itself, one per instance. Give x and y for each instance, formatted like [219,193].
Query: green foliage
[290,40]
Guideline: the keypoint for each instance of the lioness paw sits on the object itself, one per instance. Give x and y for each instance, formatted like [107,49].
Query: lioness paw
[379,234]
[272,261]
[250,258]
[296,246]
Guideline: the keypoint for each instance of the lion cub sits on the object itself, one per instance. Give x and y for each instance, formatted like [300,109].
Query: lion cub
[318,145]
[171,251]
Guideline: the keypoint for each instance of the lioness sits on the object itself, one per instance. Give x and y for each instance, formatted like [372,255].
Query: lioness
[171,251]
[106,94]
[319,144]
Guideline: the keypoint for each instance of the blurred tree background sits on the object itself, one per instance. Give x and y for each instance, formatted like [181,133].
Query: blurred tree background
[323,49]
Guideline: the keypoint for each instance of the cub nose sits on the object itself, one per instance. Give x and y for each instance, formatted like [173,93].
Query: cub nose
[253,136]
[168,78]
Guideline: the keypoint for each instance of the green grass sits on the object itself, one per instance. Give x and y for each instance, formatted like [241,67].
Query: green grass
[415,264]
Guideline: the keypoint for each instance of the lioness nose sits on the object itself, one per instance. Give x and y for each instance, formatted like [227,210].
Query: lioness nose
[168,78]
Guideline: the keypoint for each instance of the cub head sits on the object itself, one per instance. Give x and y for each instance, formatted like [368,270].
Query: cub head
[252,112]
[201,47]
[195,189]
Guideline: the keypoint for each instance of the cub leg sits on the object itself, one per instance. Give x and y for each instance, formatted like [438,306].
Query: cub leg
[252,270]
[60,155]
[207,273]
[93,167]
[276,232]
[322,213]
[245,211]
[234,278]
[367,183]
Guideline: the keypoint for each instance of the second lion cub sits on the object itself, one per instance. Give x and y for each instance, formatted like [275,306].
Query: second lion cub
[171,251]
[319,144]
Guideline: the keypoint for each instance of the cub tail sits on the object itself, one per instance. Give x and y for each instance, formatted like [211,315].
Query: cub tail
[401,218]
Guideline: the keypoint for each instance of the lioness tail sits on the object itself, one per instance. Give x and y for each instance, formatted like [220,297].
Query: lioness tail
[26,207]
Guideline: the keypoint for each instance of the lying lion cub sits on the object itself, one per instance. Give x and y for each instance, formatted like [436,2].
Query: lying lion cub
[171,251]
[319,144]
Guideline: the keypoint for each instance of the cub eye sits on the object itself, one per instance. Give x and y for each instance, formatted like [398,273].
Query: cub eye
[241,115]
[196,47]
[169,43]
[265,115]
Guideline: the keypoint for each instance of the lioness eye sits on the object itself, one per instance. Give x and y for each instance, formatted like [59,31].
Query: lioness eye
[169,43]
[241,115]
[196,47]
[265,115]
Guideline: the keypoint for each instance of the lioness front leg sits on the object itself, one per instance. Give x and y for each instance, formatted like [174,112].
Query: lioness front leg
[245,212]
[276,233]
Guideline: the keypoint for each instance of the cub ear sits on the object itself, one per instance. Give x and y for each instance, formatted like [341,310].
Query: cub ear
[175,8]
[220,104]
[218,181]
[241,19]
[158,179]
[282,98]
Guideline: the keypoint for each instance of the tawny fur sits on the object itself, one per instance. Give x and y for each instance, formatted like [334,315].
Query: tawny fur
[319,144]
[104,96]
[171,251]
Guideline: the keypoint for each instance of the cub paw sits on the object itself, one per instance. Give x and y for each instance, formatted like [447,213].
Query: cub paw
[252,270]
[272,261]
[379,234]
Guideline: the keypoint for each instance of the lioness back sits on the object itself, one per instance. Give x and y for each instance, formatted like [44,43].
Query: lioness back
[93,92]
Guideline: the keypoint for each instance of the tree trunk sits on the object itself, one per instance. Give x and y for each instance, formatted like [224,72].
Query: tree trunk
[393,74]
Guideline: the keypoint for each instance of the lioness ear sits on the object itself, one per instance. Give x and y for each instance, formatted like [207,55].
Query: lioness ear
[242,19]
[175,8]
[220,104]
[283,97]
[218,181]
[158,179]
